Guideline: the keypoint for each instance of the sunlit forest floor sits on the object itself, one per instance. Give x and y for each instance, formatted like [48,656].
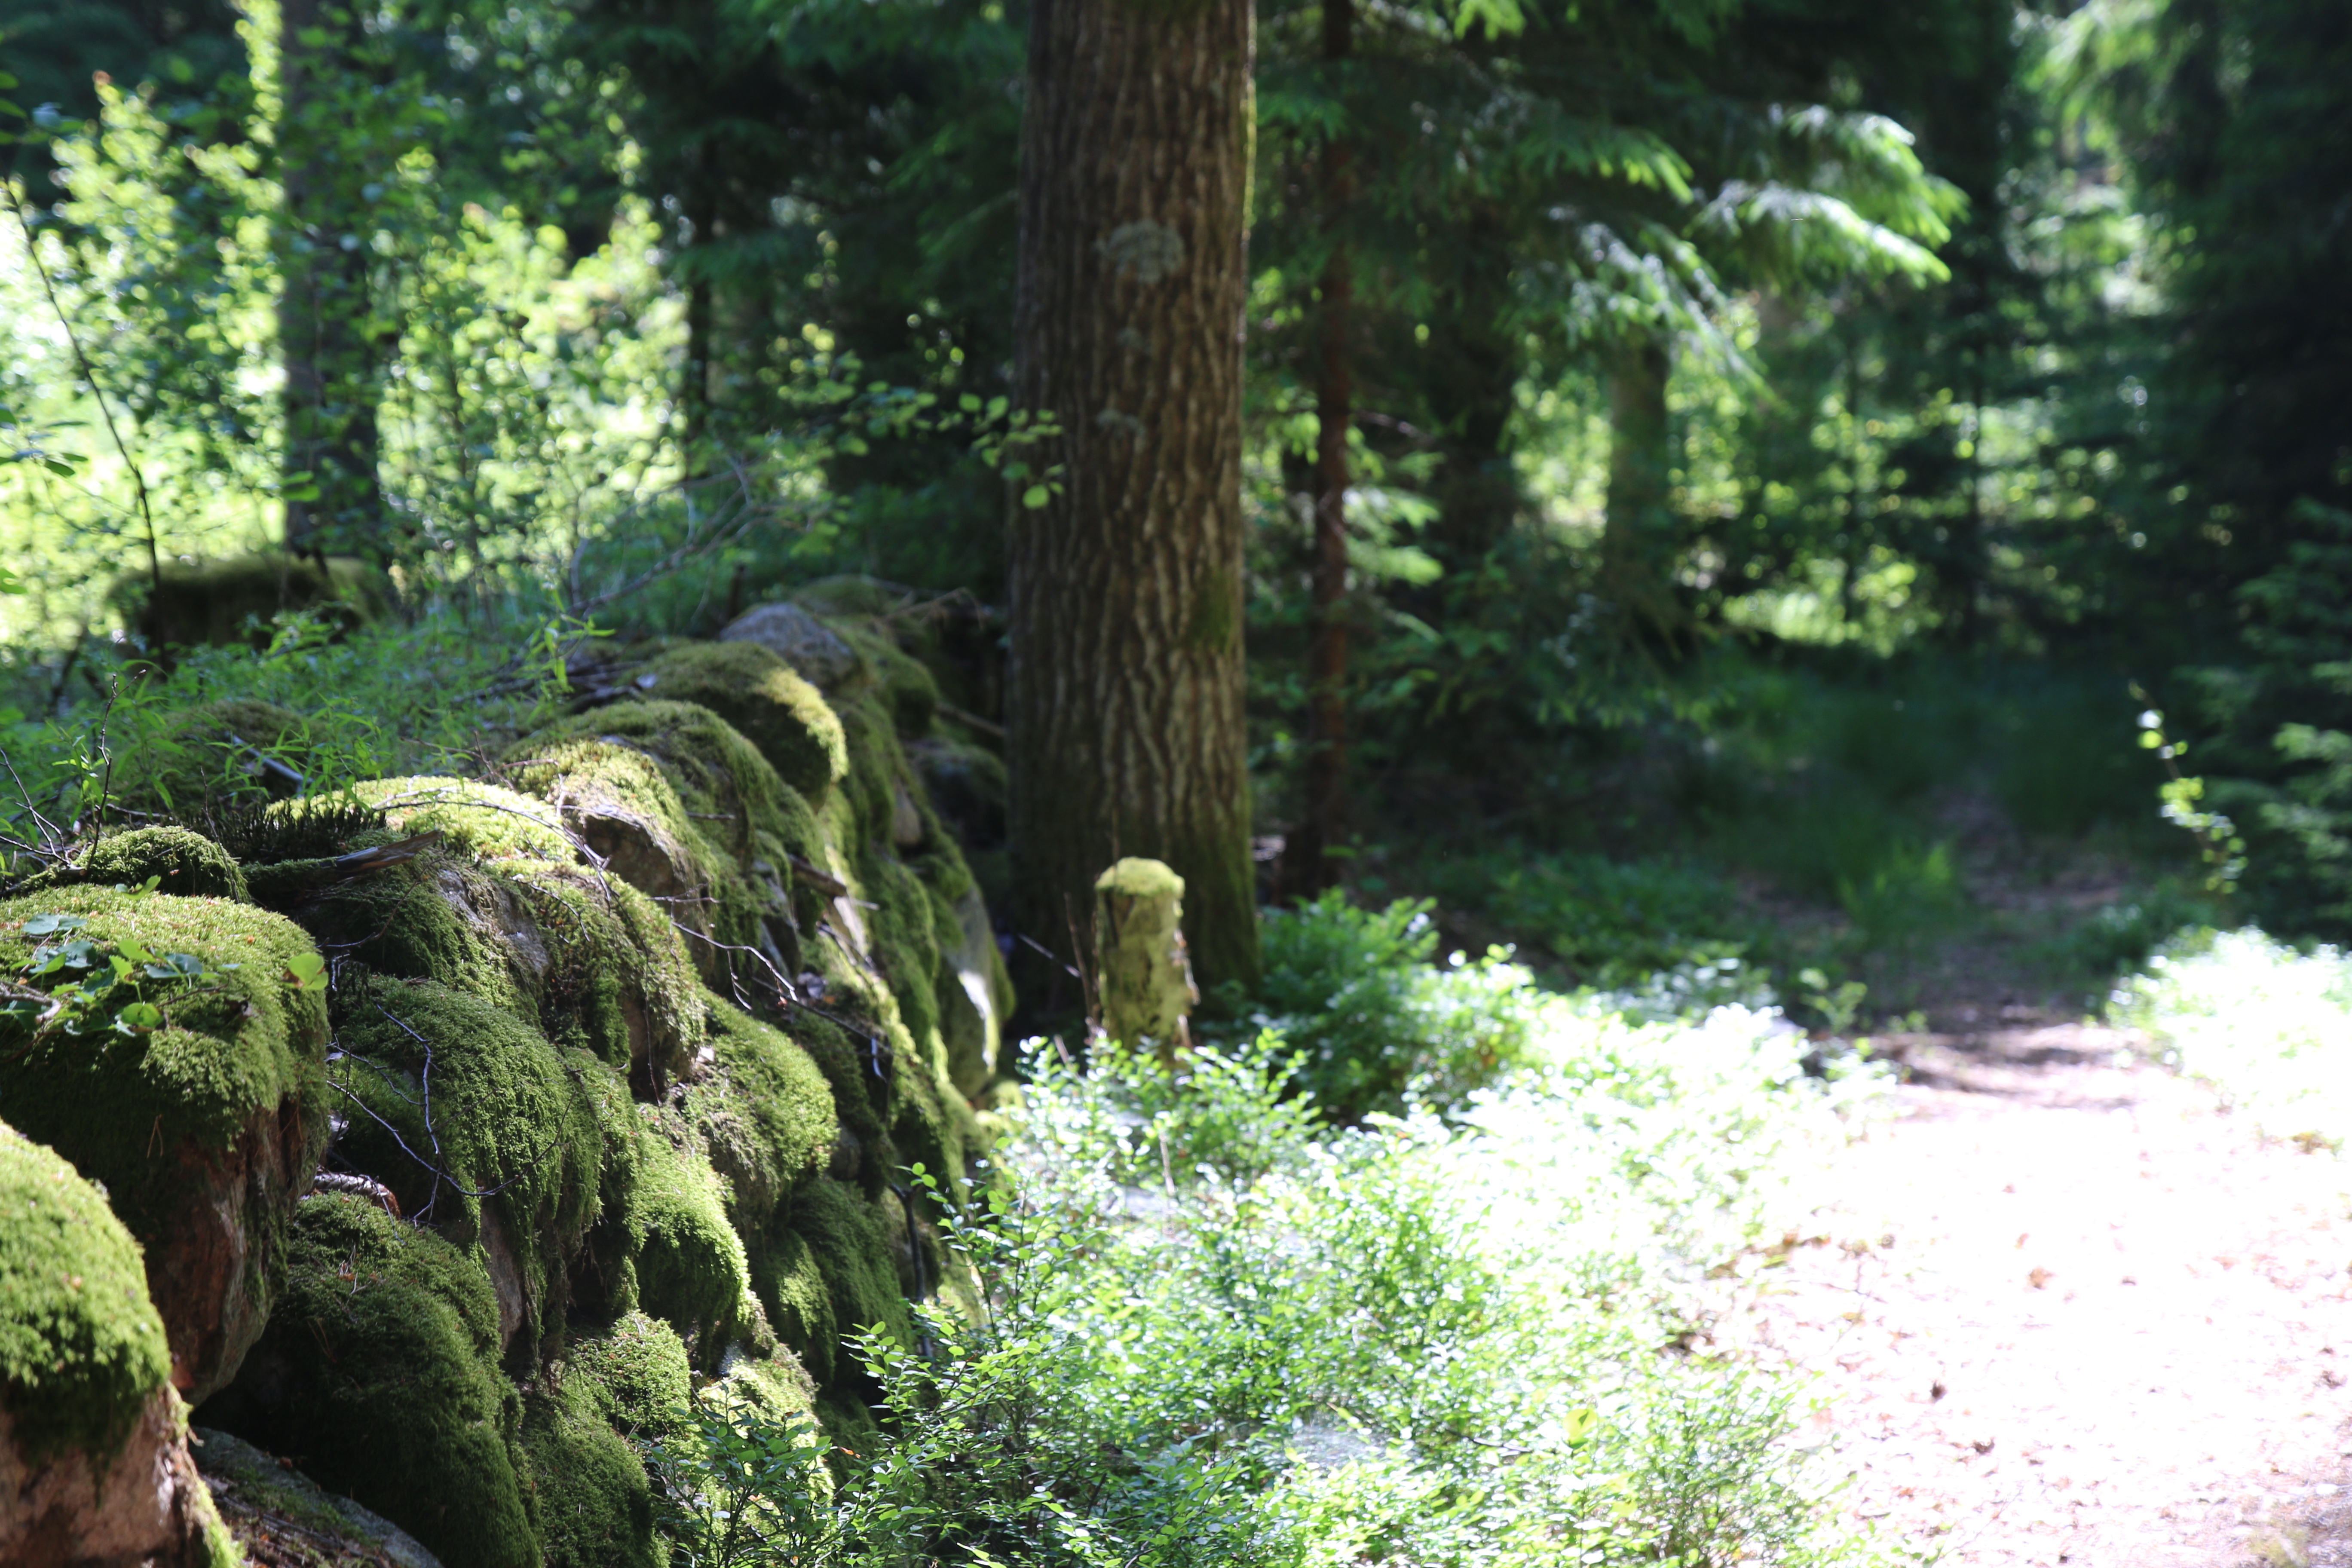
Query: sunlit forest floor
[2066,1312]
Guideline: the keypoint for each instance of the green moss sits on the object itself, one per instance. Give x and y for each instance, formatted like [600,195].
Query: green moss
[848,1238]
[876,769]
[183,863]
[934,1126]
[760,695]
[424,918]
[767,1116]
[688,811]
[688,1262]
[777,1387]
[906,943]
[205,753]
[791,1287]
[81,1347]
[127,1110]
[615,977]
[380,1369]
[638,1374]
[907,691]
[512,1114]
[1135,877]
[478,821]
[861,1095]
[585,1485]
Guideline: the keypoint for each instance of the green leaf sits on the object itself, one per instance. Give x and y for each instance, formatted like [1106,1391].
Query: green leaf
[306,971]
[45,925]
[1034,497]
[139,1016]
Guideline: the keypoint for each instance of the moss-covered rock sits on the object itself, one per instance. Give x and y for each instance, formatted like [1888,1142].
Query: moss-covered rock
[380,1368]
[232,599]
[81,1347]
[638,1376]
[591,959]
[909,691]
[685,809]
[182,862]
[849,1247]
[763,697]
[766,1116]
[686,1262]
[432,917]
[802,640]
[478,821]
[585,1485]
[510,1115]
[263,1501]
[202,1129]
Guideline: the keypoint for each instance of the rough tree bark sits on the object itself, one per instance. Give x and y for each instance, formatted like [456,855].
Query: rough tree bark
[326,337]
[1124,689]
[1307,867]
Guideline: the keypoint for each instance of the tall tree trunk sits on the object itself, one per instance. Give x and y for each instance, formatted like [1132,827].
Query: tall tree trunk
[1124,696]
[1307,867]
[1638,540]
[1473,364]
[327,341]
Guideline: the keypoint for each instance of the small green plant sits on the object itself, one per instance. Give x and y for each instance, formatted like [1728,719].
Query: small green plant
[2218,843]
[1371,1021]
[744,1487]
[74,984]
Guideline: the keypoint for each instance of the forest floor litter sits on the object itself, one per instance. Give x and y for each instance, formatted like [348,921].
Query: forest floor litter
[2067,1310]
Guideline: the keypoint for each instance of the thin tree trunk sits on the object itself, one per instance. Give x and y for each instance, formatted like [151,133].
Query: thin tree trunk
[1307,867]
[1638,539]
[1124,696]
[324,333]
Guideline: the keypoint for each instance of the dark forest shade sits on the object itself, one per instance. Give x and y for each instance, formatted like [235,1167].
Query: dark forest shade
[1125,683]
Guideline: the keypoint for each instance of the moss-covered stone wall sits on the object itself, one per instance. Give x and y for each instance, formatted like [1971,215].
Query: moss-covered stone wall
[580,1081]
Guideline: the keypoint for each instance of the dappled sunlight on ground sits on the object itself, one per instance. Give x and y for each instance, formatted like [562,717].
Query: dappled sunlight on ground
[2065,1312]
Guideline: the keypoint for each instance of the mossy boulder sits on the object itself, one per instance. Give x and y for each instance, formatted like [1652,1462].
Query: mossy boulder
[766,1115]
[94,1464]
[182,862]
[478,821]
[687,1264]
[205,1127]
[812,648]
[763,697]
[586,1487]
[81,1347]
[844,1239]
[588,957]
[380,1368]
[683,808]
[265,1502]
[232,599]
[638,1376]
[510,1115]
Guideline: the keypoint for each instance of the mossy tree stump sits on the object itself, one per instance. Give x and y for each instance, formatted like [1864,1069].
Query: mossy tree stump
[1146,976]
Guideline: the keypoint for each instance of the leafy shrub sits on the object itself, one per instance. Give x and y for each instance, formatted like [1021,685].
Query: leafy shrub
[1411,1341]
[1610,924]
[1371,1021]
[2266,1023]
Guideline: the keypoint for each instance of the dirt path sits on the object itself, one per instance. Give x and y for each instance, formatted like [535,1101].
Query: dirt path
[2068,1313]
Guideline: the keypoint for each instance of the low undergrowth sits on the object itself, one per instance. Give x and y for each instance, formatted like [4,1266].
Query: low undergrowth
[2268,1024]
[1221,1331]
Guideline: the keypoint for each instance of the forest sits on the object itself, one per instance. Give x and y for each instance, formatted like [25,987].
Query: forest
[1164,782]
